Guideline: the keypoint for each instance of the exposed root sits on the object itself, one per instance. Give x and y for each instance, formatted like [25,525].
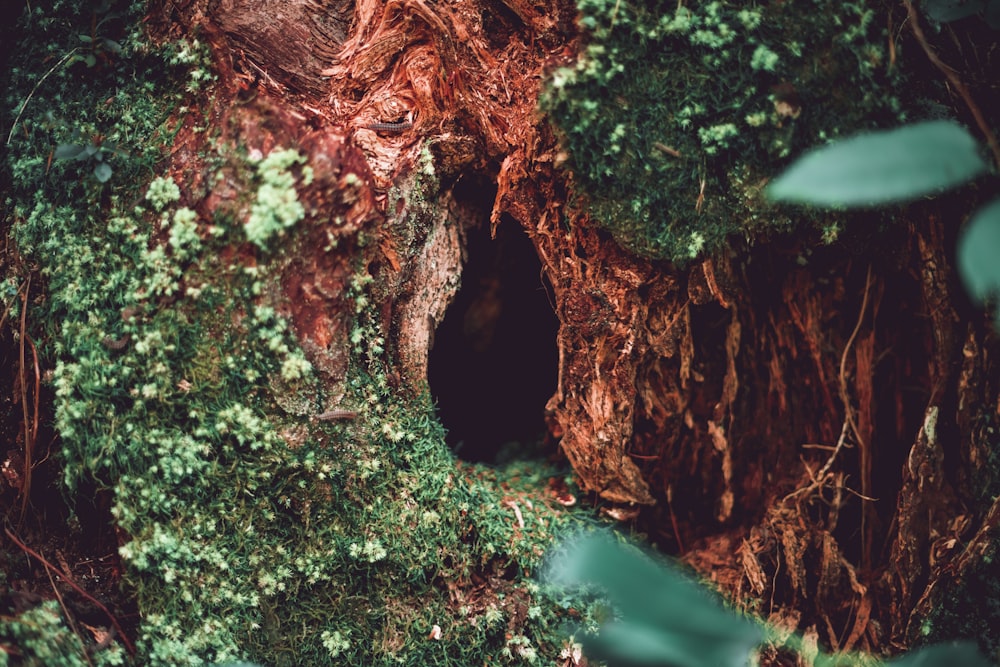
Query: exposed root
[850,427]
[954,80]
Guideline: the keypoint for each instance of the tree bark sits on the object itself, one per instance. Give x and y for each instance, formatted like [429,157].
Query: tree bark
[801,423]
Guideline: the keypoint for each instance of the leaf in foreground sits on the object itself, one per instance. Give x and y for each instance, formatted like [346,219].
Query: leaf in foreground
[955,654]
[944,11]
[664,617]
[979,254]
[882,167]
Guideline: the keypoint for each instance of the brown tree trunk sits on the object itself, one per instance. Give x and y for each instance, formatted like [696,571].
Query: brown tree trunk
[809,427]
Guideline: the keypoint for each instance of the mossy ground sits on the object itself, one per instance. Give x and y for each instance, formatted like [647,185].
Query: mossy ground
[252,532]
[247,532]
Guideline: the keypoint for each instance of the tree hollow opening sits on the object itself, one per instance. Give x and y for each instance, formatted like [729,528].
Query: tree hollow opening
[494,360]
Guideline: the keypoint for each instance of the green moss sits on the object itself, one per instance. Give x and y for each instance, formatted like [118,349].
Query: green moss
[162,192]
[250,531]
[675,114]
[277,205]
[40,637]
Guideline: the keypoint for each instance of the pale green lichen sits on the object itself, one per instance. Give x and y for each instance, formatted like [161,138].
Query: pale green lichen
[162,192]
[277,206]
[335,642]
[184,239]
[764,59]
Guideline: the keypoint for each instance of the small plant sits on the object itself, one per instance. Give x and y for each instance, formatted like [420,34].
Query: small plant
[96,48]
[94,153]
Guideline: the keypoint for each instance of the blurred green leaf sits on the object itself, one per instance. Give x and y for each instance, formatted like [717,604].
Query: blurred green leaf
[944,11]
[882,167]
[957,654]
[68,151]
[630,644]
[979,254]
[102,172]
[664,617]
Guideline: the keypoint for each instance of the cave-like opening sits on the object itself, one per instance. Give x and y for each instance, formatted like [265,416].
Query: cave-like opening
[494,361]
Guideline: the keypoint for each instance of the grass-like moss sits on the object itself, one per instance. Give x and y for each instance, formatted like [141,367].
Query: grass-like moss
[249,532]
[675,114]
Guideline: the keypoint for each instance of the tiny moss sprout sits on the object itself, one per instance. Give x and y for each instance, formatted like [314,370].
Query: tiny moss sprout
[162,192]
[194,55]
[335,642]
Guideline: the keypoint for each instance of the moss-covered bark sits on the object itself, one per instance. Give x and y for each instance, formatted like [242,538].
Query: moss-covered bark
[236,324]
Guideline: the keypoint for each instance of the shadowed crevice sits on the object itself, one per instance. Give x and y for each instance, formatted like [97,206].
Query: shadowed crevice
[494,361]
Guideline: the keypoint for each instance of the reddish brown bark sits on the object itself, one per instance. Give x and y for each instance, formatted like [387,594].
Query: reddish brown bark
[798,422]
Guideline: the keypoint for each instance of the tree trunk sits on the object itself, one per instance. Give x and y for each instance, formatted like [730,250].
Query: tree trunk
[809,426]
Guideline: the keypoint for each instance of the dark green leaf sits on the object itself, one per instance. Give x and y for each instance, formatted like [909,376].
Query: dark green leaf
[86,39]
[882,167]
[90,59]
[112,46]
[68,151]
[979,254]
[956,654]
[944,11]
[102,172]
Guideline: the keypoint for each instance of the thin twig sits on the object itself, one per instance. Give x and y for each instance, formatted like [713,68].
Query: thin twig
[35,408]
[31,94]
[114,621]
[29,444]
[6,310]
[860,495]
[844,397]
[952,77]
[614,14]
[863,454]
[69,617]
[673,520]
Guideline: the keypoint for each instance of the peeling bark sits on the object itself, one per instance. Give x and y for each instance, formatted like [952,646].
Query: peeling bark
[797,423]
